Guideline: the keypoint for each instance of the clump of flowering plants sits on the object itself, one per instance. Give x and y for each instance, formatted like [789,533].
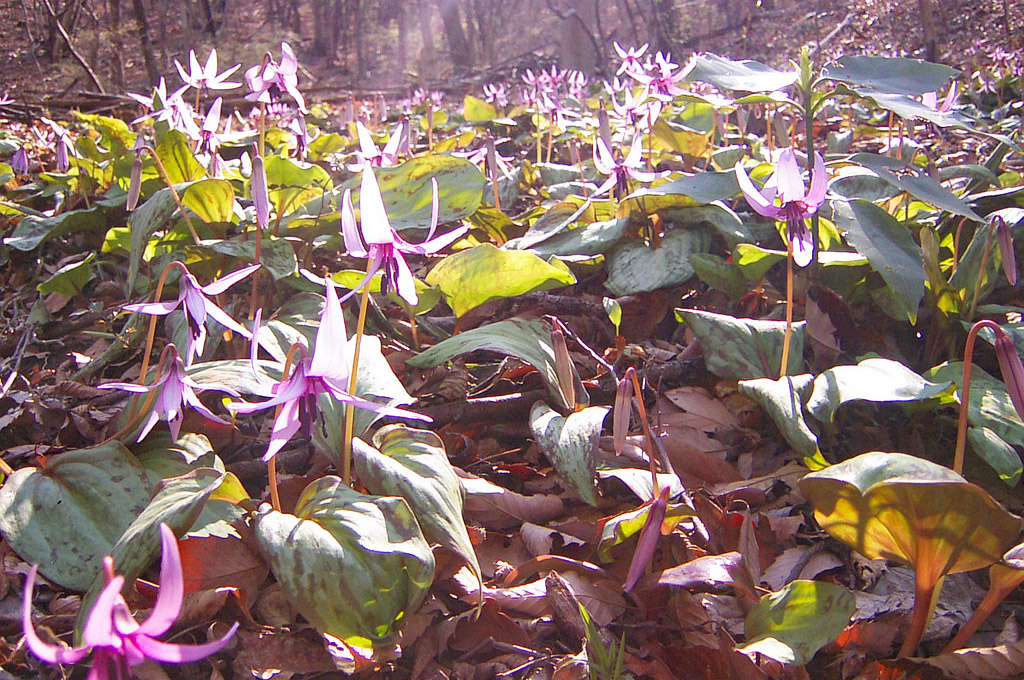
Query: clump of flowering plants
[222,218]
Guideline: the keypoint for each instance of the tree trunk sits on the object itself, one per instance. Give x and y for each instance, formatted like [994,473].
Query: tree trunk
[458,46]
[142,28]
[114,7]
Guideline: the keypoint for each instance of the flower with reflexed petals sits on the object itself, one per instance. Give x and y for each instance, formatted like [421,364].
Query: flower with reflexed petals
[383,244]
[796,203]
[197,305]
[206,77]
[119,642]
[619,172]
[174,390]
[270,82]
[327,371]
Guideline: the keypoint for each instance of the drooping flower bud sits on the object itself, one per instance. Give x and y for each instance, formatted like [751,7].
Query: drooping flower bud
[648,540]
[622,410]
[260,197]
[563,367]
[19,161]
[134,185]
[1011,368]
[1004,237]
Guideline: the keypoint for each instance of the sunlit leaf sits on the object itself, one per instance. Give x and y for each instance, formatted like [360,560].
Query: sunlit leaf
[741,349]
[634,267]
[212,200]
[570,443]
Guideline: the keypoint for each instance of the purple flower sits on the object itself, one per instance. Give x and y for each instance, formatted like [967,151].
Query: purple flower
[117,640]
[648,540]
[208,138]
[663,83]
[197,306]
[63,143]
[19,161]
[622,410]
[328,371]
[796,204]
[175,111]
[931,99]
[619,172]
[297,126]
[631,63]
[496,94]
[1004,237]
[370,154]
[383,244]
[174,390]
[206,77]
[270,82]
[1010,367]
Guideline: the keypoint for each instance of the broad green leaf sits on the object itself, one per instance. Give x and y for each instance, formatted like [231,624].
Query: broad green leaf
[746,75]
[720,275]
[588,240]
[909,108]
[291,184]
[407,193]
[164,458]
[999,455]
[175,152]
[912,511]
[783,400]
[555,219]
[791,625]
[919,185]
[477,110]
[570,443]
[114,131]
[70,279]
[277,255]
[702,187]
[212,200]
[355,566]
[66,515]
[177,503]
[414,465]
[238,373]
[528,340]
[634,267]
[144,222]
[680,139]
[888,246]
[472,277]
[741,349]
[32,230]
[875,380]
[894,75]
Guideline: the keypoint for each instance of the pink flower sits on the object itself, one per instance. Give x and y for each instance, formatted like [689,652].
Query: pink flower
[796,204]
[631,63]
[196,304]
[206,77]
[326,372]
[117,640]
[175,390]
[619,172]
[383,245]
[270,82]
[370,155]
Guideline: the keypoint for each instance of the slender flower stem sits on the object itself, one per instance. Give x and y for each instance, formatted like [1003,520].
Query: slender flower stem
[350,411]
[788,337]
[174,194]
[648,436]
[6,469]
[995,595]
[151,333]
[981,273]
[965,394]
[275,496]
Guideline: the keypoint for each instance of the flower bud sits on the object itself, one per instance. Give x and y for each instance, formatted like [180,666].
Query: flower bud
[134,185]
[1011,368]
[648,540]
[260,197]
[622,410]
[1004,237]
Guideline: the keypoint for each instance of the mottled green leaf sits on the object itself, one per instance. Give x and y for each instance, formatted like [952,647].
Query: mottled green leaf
[355,566]
[791,625]
[66,515]
[212,200]
[70,279]
[740,349]
[291,184]
[634,267]
[570,443]
[783,400]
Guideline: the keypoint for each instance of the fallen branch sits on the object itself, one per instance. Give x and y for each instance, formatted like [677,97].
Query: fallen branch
[71,46]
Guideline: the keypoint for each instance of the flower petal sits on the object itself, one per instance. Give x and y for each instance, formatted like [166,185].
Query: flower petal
[802,243]
[286,424]
[157,308]
[789,178]
[223,283]
[178,653]
[99,627]
[349,230]
[756,200]
[373,217]
[648,540]
[45,651]
[405,284]
[172,587]
[331,338]
[603,159]
[819,181]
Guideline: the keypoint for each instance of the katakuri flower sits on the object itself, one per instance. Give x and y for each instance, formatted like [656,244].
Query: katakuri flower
[272,80]
[327,371]
[383,245]
[174,390]
[619,172]
[206,77]
[63,146]
[796,204]
[370,154]
[119,642]
[631,63]
[197,305]
[19,161]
